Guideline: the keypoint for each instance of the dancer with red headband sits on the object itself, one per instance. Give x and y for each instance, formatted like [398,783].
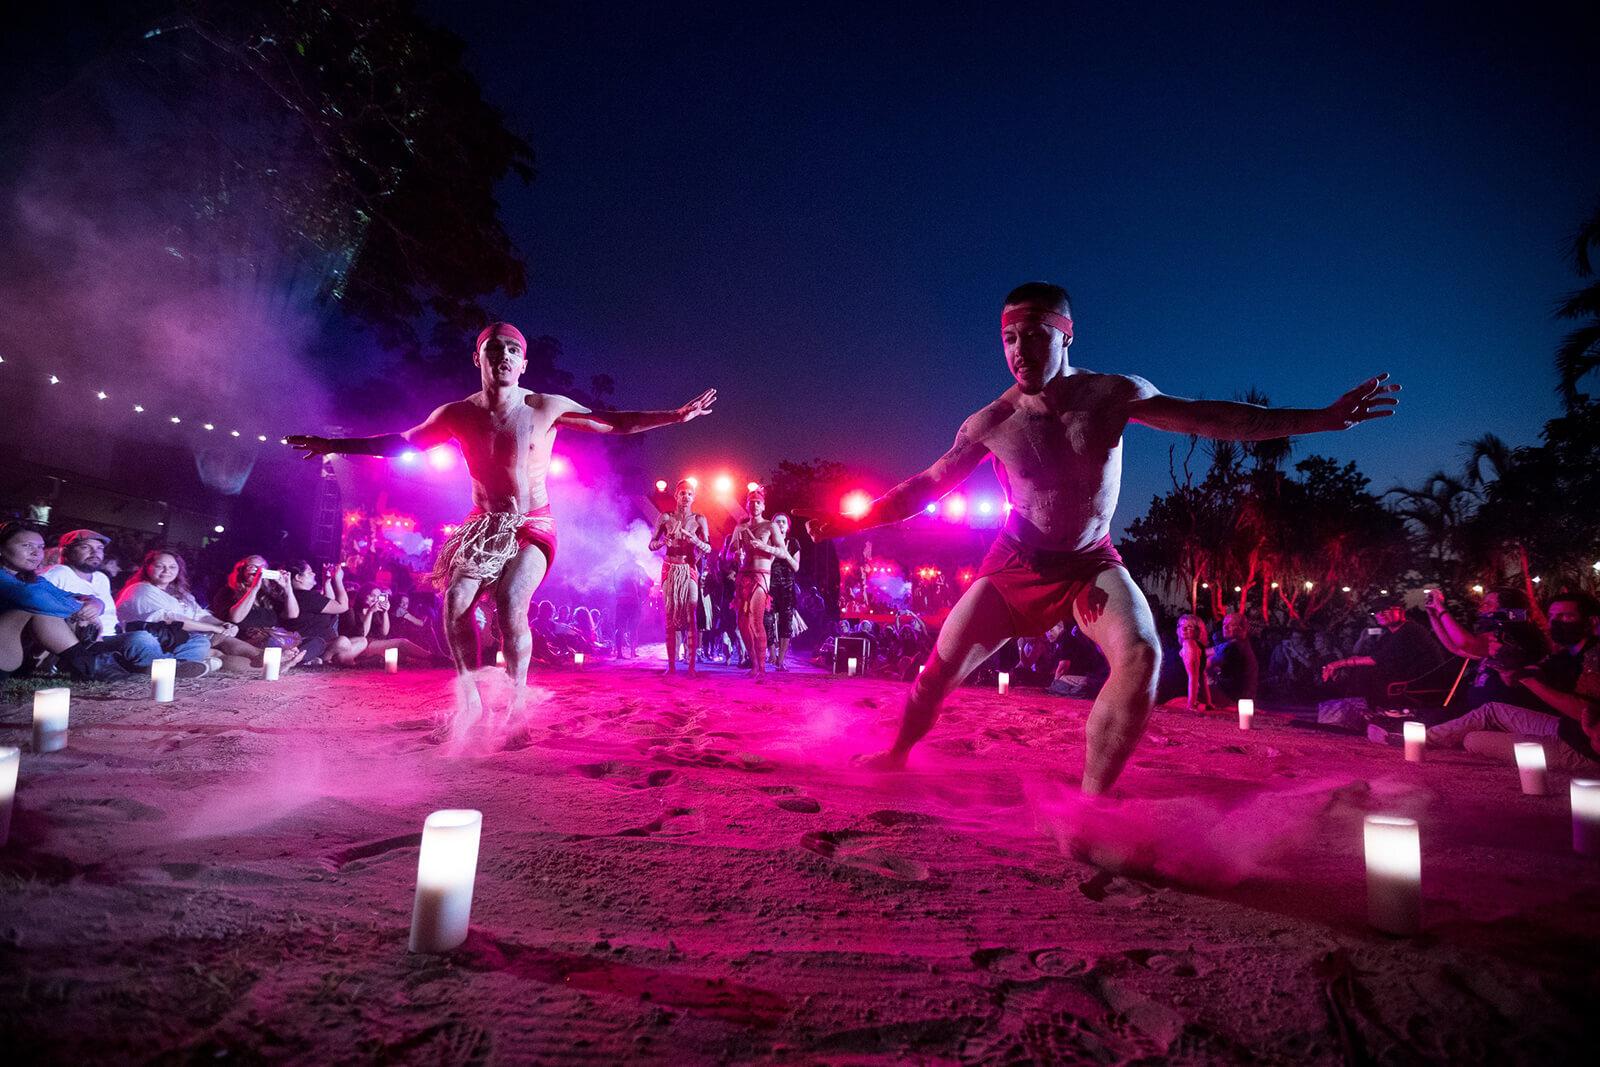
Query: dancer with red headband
[1056,440]
[759,544]
[505,432]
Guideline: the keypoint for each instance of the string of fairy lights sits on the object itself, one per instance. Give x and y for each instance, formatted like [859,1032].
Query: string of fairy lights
[101,399]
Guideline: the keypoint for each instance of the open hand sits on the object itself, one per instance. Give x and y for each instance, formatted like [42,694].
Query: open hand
[1372,399]
[312,446]
[700,405]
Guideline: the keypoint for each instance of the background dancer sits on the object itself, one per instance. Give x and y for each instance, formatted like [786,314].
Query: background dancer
[783,599]
[685,534]
[509,540]
[758,544]
[1056,439]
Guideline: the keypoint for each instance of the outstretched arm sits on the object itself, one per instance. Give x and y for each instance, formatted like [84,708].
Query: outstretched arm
[916,492]
[578,417]
[1228,420]
[434,430]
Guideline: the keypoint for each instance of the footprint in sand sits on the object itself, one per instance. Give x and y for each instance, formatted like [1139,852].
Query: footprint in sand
[337,861]
[96,808]
[1059,962]
[623,775]
[1178,963]
[1006,963]
[891,817]
[846,848]
[1106,886]
[671,824]
[803,805]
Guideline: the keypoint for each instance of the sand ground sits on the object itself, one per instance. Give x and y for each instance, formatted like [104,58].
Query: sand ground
[693,872]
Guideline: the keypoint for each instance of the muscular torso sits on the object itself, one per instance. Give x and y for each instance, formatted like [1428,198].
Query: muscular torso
[672,531]
[507,451]
[1059,456]
[763,532]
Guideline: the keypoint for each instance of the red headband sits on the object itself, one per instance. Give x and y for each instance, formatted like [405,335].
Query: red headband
[501,329]
[1035,314]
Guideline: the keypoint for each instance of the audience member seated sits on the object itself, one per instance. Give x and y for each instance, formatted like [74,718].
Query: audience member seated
[259,606]
[1232,673]
[80,573]
[32,609]
[372,637]
[1502,631]
[1292,669]
[416,618]
[317,624]
[1192,651]
[1567,681]
[158,599]
[1404,652]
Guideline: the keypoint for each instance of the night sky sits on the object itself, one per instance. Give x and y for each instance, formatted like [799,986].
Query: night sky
[819,212]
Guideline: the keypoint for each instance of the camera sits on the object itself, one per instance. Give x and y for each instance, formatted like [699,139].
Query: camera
[1490,621]
[271,575]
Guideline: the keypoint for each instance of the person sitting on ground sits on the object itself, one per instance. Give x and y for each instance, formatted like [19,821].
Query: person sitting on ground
[33,609]
[1232,671]
[317,624]
[258,605]
[416,617]
[157,598]
[1567,680]
[1404,652]
[81,574]
[1192,651]
[1497,609]
[371,638]
[1292,668]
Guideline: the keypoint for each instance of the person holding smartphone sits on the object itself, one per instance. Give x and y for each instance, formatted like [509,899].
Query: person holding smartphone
[258,600]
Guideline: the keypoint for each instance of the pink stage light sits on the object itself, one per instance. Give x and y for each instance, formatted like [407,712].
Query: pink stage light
[751,487]
[932,509]
[694,483]
[661,485]
[955,507]
[560,466]
[442,458]
[408,457]
[985,507]
[855,504]
[723,485]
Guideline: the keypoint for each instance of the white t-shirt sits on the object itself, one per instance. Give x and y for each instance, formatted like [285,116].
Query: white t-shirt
[143,602]
[99,586]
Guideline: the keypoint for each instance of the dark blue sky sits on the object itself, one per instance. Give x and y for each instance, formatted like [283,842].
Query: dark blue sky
[819,211]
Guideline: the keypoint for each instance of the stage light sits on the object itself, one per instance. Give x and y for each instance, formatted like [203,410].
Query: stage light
[1536,579]
[210,426]
[855,504]
[1205,585]
[1310,585]
[442,458]
[694,483]
[661,485]
[1238,589]
[985,507]
[101,395]
[1344,589]
[1006,507]
[1274,585]
[138,408]
[175,420]
[955,507]
[751,487]
[409,456]
[723,484]
[216,529]
[560,466]
[54,380]
[261,437]
[933,509]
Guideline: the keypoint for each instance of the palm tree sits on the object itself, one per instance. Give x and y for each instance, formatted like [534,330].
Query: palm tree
[1491,450]
[1579,354]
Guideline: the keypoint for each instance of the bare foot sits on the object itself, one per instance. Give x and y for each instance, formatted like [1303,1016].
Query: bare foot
[882,761]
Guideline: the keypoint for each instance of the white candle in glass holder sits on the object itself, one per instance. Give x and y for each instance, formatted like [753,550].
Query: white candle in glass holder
[1585,816]
[499,659]
[1004,683]
[1394,874]
[577,659]
[163,679]
[850,667]
[1531,768]
[1416,738]
[391,660]
[50,708]
[10,760]
[272,663]
[1247,713]
[446,870]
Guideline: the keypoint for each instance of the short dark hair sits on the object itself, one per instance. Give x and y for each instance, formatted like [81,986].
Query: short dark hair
[17,528]
[1051,296]
[1588,605]
[1511,598]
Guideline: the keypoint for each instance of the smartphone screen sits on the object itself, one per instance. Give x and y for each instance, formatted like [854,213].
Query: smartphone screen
[271,576]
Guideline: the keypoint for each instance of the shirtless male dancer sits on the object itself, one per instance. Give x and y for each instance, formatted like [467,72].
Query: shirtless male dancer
[509,540]
[684,533]
[759,542]
[1056,439]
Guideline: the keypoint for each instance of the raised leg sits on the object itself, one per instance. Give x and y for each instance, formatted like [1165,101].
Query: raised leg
[1113,614]
[976,628]
[460,627]
[513,593]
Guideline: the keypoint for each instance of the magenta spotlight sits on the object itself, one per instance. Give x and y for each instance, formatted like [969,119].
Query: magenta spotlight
[955,507]
[442,458]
